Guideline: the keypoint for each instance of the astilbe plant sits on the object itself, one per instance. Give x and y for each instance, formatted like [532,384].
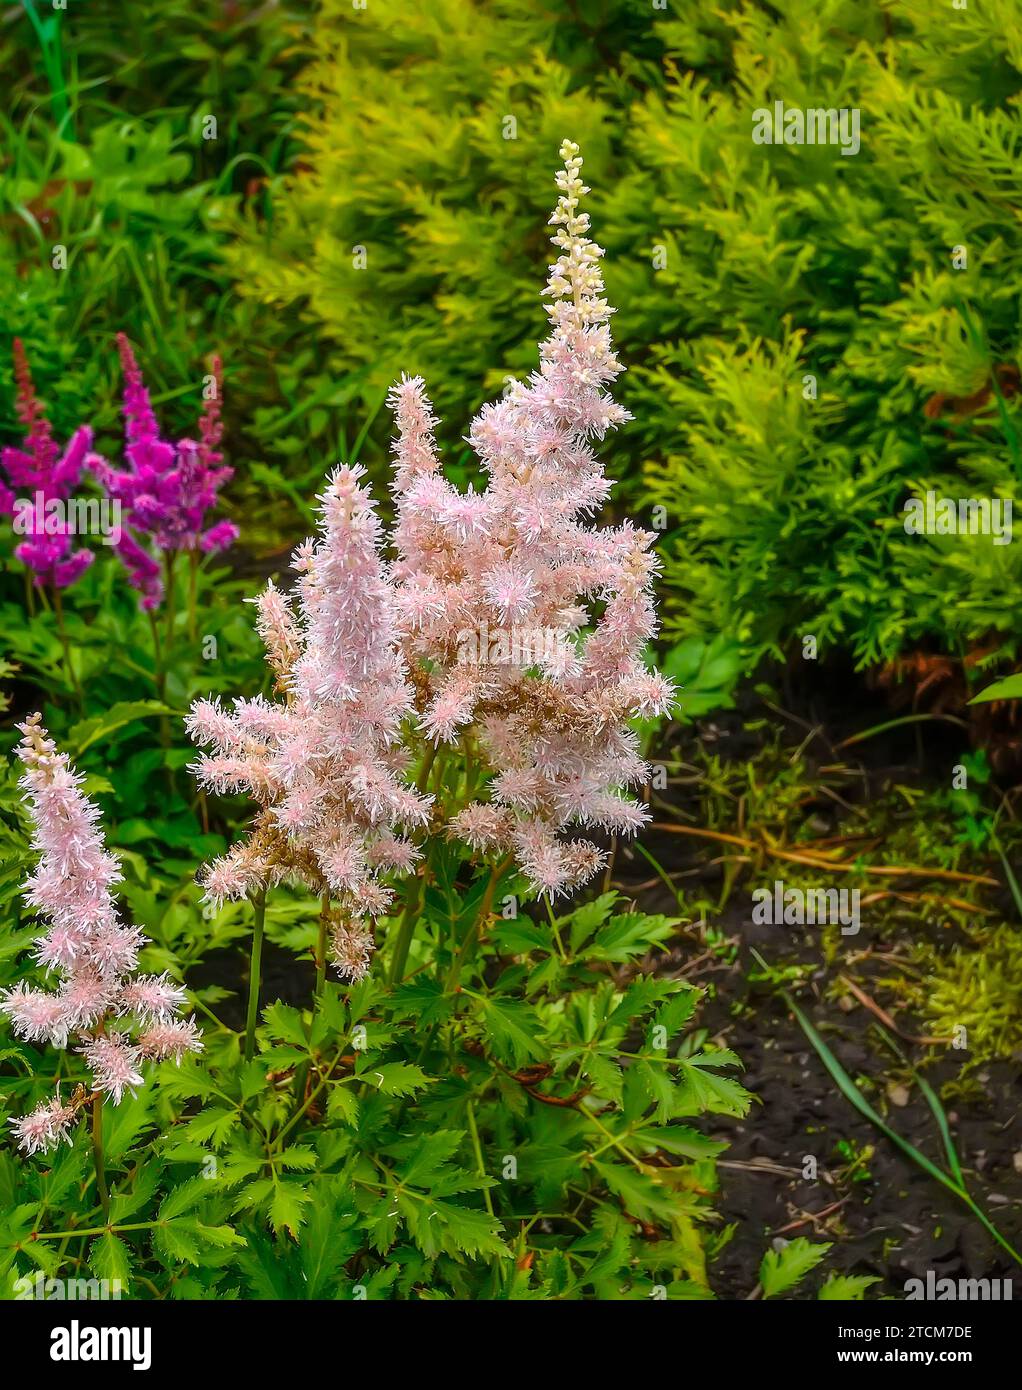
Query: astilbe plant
[387,748]
[368,643]
[42,474]
[167,488]
[117,1017]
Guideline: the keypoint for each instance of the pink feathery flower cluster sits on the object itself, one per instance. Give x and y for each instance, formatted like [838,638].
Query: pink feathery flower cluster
[42,475]
[325,763]
[530,623]
[506,621]
[167,489]
[119,1018]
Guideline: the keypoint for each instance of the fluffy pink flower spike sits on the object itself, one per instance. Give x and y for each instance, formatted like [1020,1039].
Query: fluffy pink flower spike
[496,590]
[118,1017]
[326,765]
[506,619]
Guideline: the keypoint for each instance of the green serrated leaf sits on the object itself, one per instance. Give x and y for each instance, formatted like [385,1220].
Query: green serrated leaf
[781,1270]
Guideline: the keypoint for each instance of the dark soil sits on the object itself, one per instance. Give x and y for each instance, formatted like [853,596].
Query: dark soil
[898,1222]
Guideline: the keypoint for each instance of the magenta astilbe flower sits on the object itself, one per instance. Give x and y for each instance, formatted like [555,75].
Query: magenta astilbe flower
[518,562]
[167,490]
[325,765]
[41,474]
[98,1001]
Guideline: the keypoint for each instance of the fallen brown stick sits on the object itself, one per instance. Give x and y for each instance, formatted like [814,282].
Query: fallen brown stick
[814,862]
[885,1018]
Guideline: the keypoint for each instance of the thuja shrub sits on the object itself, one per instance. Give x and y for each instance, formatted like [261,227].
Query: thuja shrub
[412,220]
[809,345]
[487,1096]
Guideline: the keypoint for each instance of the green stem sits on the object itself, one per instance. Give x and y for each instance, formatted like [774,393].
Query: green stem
[324,1078]
[406,930]
[301,1077]
[473,1130]
[472,935]
[324,926]
[159,675]
[94,1230]
[169,559]
[255,972]
[58,608]
[424,770]
[417,893]
[97,1153]
[193,574]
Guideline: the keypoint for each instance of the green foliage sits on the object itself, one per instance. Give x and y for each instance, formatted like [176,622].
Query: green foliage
[780,1270]
[1010,688]
[846,1288]
[530,1112]
[738,271]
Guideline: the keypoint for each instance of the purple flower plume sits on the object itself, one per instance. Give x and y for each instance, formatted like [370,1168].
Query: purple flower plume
[167,489]
[42,475]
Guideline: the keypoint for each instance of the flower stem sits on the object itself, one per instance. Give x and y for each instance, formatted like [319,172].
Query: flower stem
[193,574]
[413,905]
[301,1077]
[324,926]
[58,608]
[255,972]
[404,936]
[169,559]
[97,1153]
[472,935]
[477,1148]
[424,770]
[159,675]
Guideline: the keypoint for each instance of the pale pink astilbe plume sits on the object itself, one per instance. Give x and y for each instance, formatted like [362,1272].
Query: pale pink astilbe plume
[574,600]
[36,1014]
[172,1038]
[114,1064]
[92,954]
[325,764]
[351,944]
[153,998]
[276,626]
[44,1127]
